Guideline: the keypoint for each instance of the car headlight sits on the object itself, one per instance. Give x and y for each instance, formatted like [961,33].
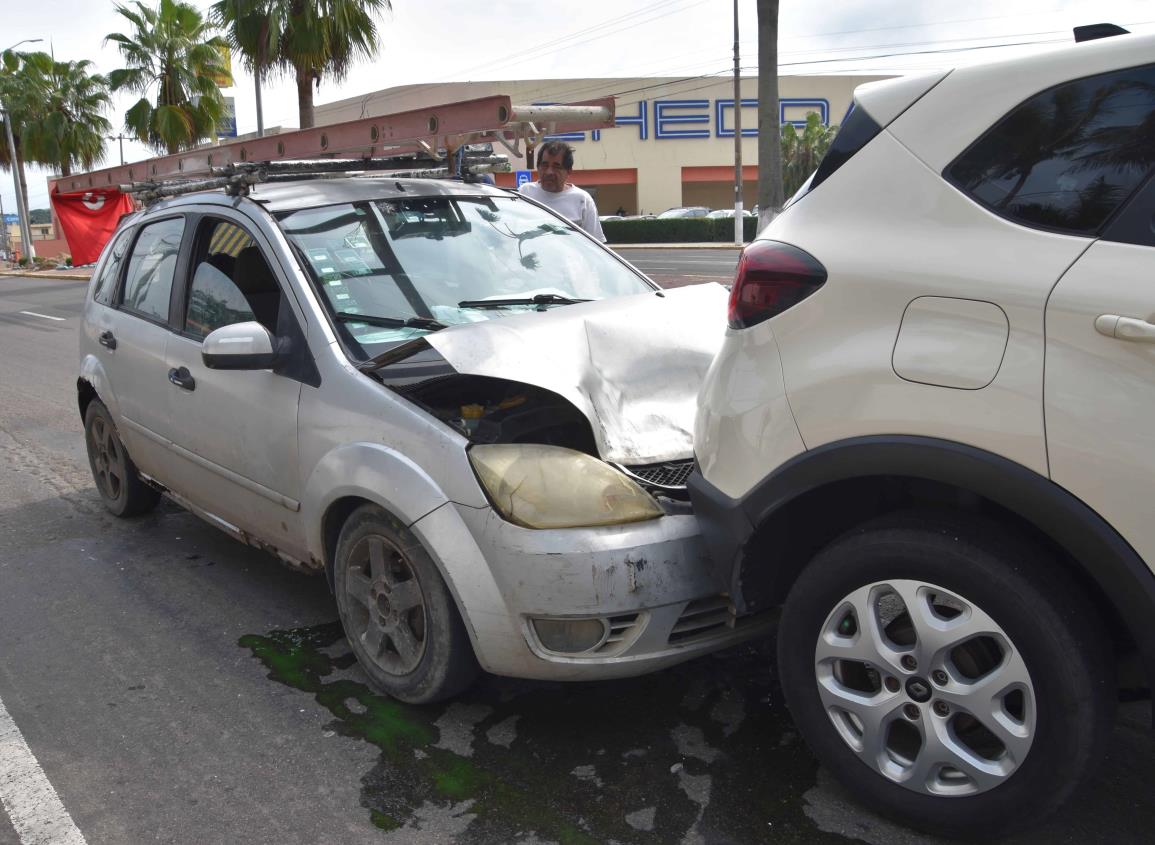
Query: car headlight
[550,487]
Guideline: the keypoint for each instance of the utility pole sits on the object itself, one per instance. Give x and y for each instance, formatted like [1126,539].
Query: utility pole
[121,139]
[739,234]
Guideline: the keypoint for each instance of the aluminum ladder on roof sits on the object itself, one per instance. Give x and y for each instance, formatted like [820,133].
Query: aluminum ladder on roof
[433,134]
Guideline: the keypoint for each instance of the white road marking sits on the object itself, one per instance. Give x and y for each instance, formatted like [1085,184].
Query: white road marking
[32,804]
[43,316]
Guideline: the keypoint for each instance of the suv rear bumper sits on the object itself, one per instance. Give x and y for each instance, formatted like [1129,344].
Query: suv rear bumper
[725,526]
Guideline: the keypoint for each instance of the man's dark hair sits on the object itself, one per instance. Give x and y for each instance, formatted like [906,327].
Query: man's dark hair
[555,147]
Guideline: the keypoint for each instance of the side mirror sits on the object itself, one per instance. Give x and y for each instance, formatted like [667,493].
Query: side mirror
[241,346]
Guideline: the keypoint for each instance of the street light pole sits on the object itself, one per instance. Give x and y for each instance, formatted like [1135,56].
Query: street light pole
[17,170]
[739,228]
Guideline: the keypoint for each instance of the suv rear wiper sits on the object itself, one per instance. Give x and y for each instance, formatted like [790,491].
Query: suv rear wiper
[536,299]
[391,322]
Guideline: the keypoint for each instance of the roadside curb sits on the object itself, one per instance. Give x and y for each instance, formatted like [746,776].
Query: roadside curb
[82,277]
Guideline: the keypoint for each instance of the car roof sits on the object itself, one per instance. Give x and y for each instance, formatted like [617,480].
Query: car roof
[278,197]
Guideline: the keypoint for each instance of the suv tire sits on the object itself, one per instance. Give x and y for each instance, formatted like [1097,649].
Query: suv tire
[998,630]
[117,479]
[398,615]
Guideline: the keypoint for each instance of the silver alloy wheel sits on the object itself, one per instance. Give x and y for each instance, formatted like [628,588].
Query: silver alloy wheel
[925,688]
[388,608]
[107,456]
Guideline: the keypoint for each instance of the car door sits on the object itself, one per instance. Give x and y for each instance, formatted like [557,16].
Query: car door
[1100,364]
[234,432]
[133,336]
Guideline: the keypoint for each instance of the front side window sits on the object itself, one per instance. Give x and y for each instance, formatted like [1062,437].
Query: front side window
[439,261]
[1068,157]
[231,281]
[105,285]
[151,267]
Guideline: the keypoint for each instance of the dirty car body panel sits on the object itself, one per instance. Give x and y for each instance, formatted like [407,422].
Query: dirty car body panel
[400,359]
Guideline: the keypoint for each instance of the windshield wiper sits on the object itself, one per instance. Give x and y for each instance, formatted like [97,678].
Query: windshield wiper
[536,299]
[391,322]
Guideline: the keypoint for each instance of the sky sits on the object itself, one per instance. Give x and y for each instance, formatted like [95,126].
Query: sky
[458,40]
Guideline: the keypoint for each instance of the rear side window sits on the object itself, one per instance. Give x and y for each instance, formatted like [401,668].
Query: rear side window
[856,132]
[151,268]
[1067,158]
[105,285]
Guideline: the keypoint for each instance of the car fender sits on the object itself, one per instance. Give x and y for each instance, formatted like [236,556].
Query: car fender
[92,371]
[371,471]
[381,475]
[1102,553]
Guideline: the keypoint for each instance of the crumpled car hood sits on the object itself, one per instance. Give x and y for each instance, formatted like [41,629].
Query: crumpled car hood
[632,364]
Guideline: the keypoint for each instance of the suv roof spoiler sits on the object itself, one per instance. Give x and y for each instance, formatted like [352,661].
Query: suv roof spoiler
[438,141]
[1091,31]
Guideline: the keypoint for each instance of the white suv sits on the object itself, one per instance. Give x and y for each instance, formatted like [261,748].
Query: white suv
[928,434]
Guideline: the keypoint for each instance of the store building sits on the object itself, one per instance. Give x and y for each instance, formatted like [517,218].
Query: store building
[673,144]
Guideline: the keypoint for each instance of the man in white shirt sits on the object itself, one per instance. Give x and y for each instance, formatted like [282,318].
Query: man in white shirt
[554,163]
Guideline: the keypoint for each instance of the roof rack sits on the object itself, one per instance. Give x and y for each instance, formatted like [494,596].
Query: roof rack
[454,140]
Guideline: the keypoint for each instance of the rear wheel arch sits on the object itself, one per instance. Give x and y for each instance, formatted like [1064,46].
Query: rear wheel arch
[822,494]
[85,393]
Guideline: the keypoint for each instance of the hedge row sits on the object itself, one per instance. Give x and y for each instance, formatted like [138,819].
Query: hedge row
[676,230]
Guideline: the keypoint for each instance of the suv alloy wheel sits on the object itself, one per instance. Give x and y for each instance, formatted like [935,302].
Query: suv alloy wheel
[952,661]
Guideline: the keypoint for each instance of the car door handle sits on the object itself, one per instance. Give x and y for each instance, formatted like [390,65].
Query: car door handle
[1125,328]
[107,339]
[182,378]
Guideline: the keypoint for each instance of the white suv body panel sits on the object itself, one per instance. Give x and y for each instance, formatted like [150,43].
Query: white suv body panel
[938,128]
[1100,391]
[877,229]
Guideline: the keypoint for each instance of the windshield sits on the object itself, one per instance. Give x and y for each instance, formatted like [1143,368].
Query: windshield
[435,258]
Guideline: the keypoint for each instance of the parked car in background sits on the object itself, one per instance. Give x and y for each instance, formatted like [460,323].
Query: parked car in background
[721,213]
[689,211]
[927,435]
[470,415]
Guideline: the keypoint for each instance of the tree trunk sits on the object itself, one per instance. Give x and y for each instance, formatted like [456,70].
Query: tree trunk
[769,131]
[305,97]
[23,175]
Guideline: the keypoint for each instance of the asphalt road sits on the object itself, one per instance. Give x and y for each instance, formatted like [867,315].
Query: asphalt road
[677,267]
[175,686]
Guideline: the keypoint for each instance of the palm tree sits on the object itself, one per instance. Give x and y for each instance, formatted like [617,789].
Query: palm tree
[172,53]
[68,128]
[769,154]
[307,38]
[802,151]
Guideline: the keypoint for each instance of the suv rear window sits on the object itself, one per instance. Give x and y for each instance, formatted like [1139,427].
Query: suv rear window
[1067,158]
[856,132]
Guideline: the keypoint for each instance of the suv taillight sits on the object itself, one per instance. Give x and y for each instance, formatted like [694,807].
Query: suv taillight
[771,277]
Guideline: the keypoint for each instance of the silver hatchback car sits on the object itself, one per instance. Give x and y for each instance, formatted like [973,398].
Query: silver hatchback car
[469,414]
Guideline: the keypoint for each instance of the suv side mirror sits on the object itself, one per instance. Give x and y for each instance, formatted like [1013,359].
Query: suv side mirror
[241,346]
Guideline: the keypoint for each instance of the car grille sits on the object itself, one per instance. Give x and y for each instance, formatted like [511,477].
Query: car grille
[670,475]
[621,631]
[702,618]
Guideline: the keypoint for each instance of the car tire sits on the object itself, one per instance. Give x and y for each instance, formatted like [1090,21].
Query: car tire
[398,614]
[1026,704]
[117,479]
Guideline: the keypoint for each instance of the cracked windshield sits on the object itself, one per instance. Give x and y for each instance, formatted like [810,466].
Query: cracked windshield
[394,270]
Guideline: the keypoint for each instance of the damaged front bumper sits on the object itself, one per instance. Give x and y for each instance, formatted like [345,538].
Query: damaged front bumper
[591,603]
